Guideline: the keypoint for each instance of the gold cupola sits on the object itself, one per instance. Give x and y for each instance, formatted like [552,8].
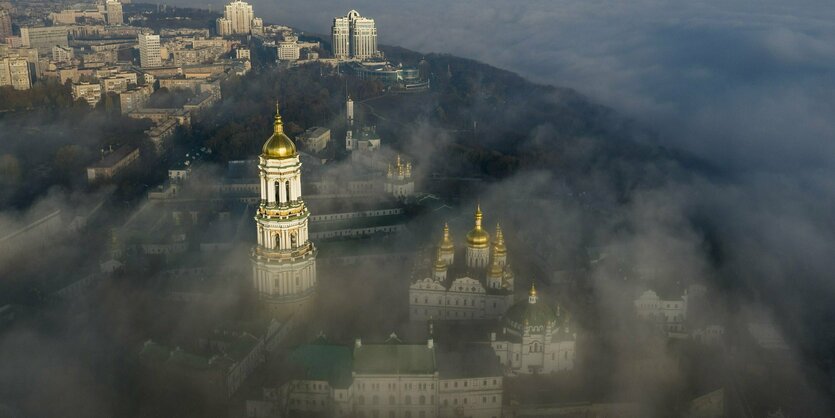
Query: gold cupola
[279,146]
[478,237]
[498,245]
[447,246]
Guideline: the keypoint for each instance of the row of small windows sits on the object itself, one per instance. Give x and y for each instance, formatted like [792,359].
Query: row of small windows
[466,383]
[457,302]
[408,414]
[391,386]
[494,399]
[407,400]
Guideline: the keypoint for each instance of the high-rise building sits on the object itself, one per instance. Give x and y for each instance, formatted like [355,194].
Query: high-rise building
[149,55]
[238,19]
[44,38]
[114,12]
[15,72]
[341,36]
[354,36]
[5,24]
[284,260]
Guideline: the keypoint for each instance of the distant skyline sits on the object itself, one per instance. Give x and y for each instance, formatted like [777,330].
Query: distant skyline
[720,78]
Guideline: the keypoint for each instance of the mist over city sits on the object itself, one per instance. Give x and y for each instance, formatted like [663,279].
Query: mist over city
[417,209]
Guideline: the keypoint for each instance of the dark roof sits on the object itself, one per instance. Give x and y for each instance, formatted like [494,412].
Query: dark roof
[472,360]
[394,358]
[114,157]
[533,314]
[322,360]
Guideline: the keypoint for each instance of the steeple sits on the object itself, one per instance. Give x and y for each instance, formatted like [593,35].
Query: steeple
[498,245]
[447,247]
[278,125]
[279,145]
[532,294]
[478,237]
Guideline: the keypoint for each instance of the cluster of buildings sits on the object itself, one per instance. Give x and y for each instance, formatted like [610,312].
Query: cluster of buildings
[79,40]
[354,36]
[239,19]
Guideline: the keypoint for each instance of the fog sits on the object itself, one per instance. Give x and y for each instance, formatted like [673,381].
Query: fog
[745,85]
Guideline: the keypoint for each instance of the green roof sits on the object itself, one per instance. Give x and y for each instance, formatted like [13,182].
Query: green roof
[532,314]
[394,358]
[324,361]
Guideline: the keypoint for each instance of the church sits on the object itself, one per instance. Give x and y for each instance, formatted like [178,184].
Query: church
[534,338]
[474,282]
[284,259]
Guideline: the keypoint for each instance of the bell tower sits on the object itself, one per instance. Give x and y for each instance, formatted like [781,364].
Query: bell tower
[284,260]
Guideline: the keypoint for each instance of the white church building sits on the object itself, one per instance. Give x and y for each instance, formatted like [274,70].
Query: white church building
[476,283]
[534,338]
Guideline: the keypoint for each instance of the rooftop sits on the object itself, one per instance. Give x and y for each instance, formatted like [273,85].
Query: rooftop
[394,357]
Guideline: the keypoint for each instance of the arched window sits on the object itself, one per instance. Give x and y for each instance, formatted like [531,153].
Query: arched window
[276,188]
[287,186]
[422,400]
[293,240]
[277,241]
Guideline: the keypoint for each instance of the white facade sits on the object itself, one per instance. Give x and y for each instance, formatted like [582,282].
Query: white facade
[288,51]
[393,379]
[238,19]
[399,182]
[90,92]
[15,72]
[284,260]
[534,339]
[114,12]
[668,315]
[446,290]
[149,53]
[354,36]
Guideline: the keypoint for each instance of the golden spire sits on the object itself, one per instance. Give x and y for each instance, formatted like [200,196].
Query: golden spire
[446,243]
[499,246]
[279,145]
[478,237]
[532,295]
[397,162]
[278,125]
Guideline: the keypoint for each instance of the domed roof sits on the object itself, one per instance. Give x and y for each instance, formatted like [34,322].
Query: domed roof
[478,237]
[447,245]
[529,313]
[279,145]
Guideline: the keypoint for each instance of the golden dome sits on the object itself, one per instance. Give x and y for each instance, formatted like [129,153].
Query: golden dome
[447,245]
[279,145]
[439,263]
[478,237]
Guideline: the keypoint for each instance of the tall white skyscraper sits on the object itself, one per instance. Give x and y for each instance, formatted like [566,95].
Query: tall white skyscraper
[238,19]
[354,36]
[114,12]
[149,55]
